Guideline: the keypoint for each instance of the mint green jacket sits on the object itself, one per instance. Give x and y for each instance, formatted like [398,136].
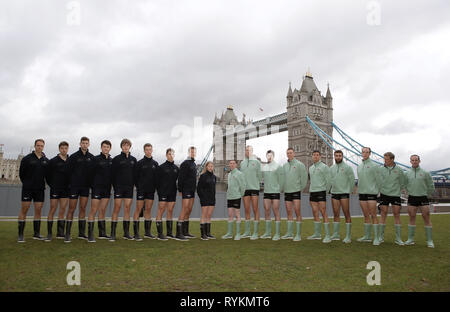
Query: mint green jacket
[393,180]
[236,184]
[419,182]
[320,177]
[342,178]
[251,168]
[295,175]
[273,175]
[368,177]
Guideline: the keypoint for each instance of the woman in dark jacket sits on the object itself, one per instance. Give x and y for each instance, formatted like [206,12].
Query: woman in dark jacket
[206,190]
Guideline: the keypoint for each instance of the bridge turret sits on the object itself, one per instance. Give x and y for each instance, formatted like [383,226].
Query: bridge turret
[289,96]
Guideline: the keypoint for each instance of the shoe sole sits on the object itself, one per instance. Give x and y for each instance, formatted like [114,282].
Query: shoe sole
[36,238]
[128,238]
[410,244]
[85,238]
[227,237]
[162,239]
[21,241]
[181,240]
[287,238]
[59,237]
[148,237]
[335,239]
[67,242]
[209,237]
[296,240]
[91,241]
[315,238]
[205,239]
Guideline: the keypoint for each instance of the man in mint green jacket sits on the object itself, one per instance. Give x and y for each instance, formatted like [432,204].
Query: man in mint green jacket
[251,168]
[393,180]
[342,184]
[368,189]
[273,177]
[296,178]
[235,191]
[419,185]
[320,183]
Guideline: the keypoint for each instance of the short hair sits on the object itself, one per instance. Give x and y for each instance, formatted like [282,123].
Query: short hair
[338,152]
[125,141]
[317,151]
[233,160]
[290,149]
[147,145]
[390,155]
[170,150]
[270,152]
[370,150]
[106,142]
[38,140]
[84,139]
[63,143]
[191,148]
[414,155]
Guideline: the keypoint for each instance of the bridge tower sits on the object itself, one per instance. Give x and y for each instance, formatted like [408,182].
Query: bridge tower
[301,137]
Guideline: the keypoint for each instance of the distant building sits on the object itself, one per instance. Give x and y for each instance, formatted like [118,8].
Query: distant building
[9,169]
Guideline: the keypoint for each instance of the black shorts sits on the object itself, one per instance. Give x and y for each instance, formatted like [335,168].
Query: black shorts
[57,194]
[251,193]
[187,195]
[340,196]
[167,198]
[417,201]
[234,203]
[393,200]
[123,192]
[100,192]
[271,195]
[77,191]
[142,195]
[33,195]
[293,196]
[207,203]
[318,196]
[366,197]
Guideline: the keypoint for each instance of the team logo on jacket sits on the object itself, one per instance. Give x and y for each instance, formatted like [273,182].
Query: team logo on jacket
[395,171]
[153,166]
[88,159]
[175,170]
[132,162]
[342,169]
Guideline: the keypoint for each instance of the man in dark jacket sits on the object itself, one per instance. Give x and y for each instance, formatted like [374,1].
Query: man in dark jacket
[32,174]
[123,180]
[58,180]
[167,194]
[80,165]
[101,191]
[146,174]
[187,181]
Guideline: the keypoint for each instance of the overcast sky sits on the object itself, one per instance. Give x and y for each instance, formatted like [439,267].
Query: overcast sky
[145,70]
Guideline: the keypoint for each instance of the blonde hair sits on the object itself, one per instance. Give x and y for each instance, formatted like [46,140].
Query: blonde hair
[206,165]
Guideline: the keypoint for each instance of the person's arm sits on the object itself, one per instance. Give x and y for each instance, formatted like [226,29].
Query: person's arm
[49,173]
[23,169]
[327,176]
[430,184]
[242,184]
[303,177]
[259,173]
[200,186]
[351,179]
[182,173]
[281,177]
[114,171]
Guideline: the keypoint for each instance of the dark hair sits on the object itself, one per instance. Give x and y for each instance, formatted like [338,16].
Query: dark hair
[290,148]
[38,140]
[84,139]
[170,150]
[390,155]
[147,144]
[317,151]
[418,157]
[125,141]
[233,160]
[370,150]
[270,151]
[338,152]
[63,143]
[191,148]
[106,142]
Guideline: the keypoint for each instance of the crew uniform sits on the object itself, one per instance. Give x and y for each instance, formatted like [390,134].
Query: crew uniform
[123,175]
[296,178]
[58,180]
[58,177]
[419,185]
[146,175]
[206,190]
[187,178]
[251,168]
[235,191]
[273,176]
[80,165]
[320,178]
[167,181]
[32,173]
[101,185]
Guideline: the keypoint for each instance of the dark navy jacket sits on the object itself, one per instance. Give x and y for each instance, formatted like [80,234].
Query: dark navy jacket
[32,172]
[123,170]
[188,176]
[58,173]
[167,179]
[102,171]
[206,187]
[146,174]
[80,167]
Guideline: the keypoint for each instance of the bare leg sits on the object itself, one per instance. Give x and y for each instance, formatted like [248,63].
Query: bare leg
[255,200]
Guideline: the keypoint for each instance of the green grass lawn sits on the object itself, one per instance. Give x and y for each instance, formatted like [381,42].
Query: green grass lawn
[227,265]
